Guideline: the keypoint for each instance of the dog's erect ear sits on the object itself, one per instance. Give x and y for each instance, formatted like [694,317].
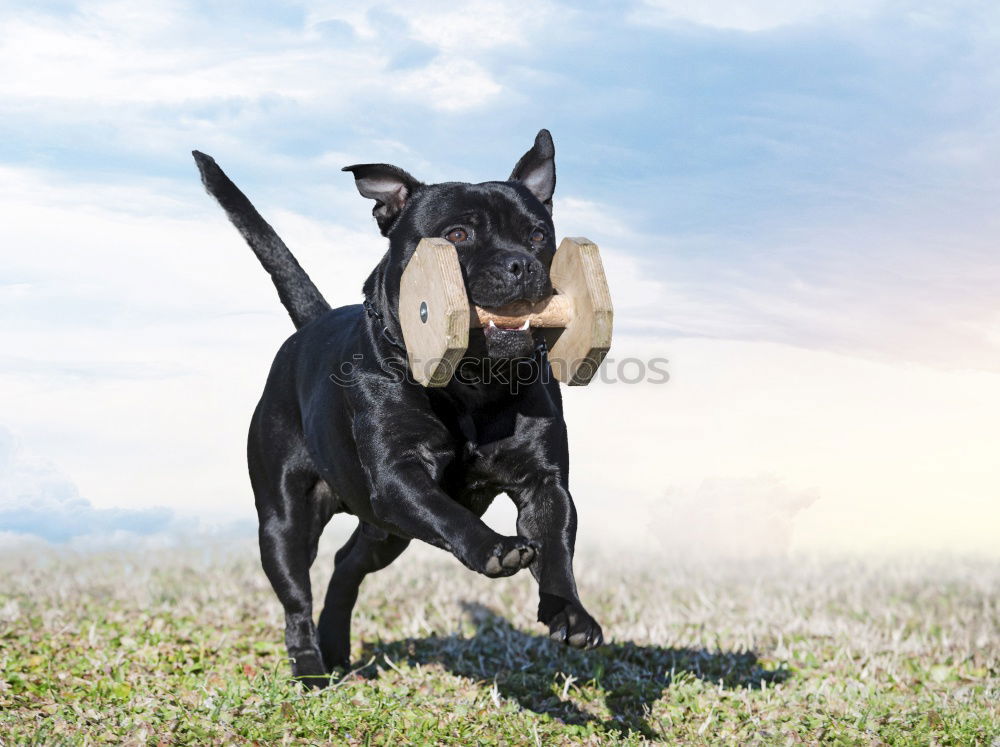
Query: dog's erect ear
[537,169]
[388,185]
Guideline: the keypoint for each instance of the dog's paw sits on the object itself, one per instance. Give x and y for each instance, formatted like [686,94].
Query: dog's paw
[574,626]
[508,556]
[307,668]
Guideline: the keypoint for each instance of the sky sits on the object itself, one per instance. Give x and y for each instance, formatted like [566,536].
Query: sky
[796,203]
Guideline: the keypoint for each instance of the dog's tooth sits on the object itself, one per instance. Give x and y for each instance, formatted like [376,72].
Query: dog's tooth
[527,323]
[492,324]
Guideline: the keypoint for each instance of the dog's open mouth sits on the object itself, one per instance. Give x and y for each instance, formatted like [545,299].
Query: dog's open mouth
[508,331]
[492,327]
[503,341]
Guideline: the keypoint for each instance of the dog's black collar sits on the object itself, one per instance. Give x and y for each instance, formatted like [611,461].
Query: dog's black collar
[377,316]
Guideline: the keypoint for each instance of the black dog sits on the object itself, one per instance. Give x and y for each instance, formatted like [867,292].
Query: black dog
[410,462]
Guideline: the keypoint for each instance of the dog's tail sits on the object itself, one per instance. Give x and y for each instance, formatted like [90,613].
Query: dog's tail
[296,291]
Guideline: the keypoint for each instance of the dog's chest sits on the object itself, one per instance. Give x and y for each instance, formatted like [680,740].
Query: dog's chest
[482,471]
[493,451]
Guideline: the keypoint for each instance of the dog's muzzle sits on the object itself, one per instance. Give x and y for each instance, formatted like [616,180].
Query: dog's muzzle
[510,276]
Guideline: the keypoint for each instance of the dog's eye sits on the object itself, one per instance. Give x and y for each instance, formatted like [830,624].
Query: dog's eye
[537,236]
[457,235]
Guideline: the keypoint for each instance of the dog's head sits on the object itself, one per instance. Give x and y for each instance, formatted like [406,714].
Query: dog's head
[502,231]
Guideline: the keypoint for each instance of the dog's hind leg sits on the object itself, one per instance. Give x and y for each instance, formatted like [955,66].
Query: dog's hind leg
[293,507]
[368,550]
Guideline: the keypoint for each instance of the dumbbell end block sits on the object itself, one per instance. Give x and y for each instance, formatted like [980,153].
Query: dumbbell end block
[433,312]
[577,272]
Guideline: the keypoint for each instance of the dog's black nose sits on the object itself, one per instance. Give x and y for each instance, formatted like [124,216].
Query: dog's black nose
[520,267]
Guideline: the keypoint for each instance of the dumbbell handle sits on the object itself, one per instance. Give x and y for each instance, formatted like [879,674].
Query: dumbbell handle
[555,311]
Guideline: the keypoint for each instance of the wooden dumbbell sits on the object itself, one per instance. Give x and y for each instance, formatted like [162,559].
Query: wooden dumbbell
[435,313]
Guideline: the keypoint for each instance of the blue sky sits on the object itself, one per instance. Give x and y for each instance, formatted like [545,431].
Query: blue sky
[815,176]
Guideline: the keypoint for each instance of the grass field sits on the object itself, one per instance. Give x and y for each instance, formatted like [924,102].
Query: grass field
[185,647]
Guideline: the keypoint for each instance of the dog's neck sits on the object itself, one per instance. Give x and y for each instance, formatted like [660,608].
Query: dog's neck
[382,306]
[383,319]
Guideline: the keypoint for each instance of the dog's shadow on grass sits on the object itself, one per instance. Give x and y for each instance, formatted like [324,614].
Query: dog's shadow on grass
[627,678]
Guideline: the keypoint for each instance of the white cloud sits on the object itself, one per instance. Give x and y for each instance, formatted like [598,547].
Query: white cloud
[108,54]
[482,24]
[751,15]
[117,68]
[466,30]
[37,500]
[451,85]
[459,35]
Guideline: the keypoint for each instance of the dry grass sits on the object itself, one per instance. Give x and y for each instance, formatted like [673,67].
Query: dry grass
[185,647]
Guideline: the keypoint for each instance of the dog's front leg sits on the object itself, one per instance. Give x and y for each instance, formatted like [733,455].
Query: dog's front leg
[546,515]
[407,499]
[412,503]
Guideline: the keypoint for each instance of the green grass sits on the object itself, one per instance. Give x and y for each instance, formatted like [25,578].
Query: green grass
[184,647]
